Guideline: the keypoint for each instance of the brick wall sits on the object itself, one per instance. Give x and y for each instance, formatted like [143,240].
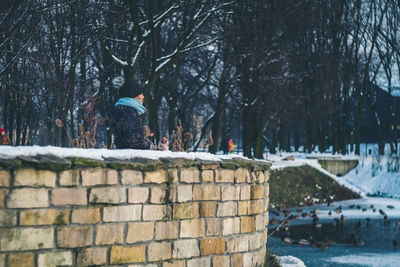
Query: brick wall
[168,212]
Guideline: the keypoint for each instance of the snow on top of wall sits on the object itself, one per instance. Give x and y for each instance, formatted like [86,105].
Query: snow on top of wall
[9,152]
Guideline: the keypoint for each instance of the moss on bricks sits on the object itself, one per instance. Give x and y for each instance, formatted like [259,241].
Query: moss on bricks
[53,163]
[85,162]
[179,163]
[252,164]
[208,165]
[141,164]
[47,162]
[229,164]
[6,163]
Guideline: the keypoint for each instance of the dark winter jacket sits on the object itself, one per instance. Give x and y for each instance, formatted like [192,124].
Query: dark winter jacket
[127,129]
[4,140]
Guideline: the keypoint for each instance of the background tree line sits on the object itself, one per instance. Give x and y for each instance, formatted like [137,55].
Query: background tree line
[270,73]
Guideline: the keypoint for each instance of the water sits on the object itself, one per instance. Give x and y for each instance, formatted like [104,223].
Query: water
[364,239]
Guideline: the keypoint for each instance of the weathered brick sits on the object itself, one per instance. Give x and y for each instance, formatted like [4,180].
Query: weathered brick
[266,190]
[237,260]
[181,263]
[173,175]
[238,244]
[21,260]
[192,228]
[44,217]
[138,194]
[32,177]
[143,265]
[206,192]
[28,198]
[213,227]
[122,213]
[187,210]
[242,175]
[253,177]
[68,196]
[200,262]
[256,206]
[75,236]
[69,177]
[221,261]
[227,209]
[225,176]
[266,176]
[212,246]
[99,176]
[157,195]
[266,204]
[86,216]
[207,209]
[260,177]
[191,175]
[231,226]
[107,234]
[92,256]
[257,192]
[27,239]
[8,217]
[157,177]
[245,192]
[261,256]
[154,212]
[247,224]
[185,193]
[230,192]
[207,176]
[121,255]
[54,259]
[131,177]
[159,251]
[255,241]
[141,231]
[264,236]
[2,197]
[173,192]
[250,259]
[260,222]
[110,195]
[243,208]
[4,178]
[186,249]
[166,230]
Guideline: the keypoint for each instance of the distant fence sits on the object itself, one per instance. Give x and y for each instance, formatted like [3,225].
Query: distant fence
[168,212]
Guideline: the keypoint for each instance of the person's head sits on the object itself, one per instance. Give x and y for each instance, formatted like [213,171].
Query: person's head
[164,139]
[131,89]
[3,131]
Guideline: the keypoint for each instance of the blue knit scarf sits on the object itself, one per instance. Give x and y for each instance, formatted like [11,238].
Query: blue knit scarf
[131,102]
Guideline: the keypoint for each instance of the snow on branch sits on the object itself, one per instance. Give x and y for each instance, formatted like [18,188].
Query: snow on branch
[199,45]
[137,54]
[115,58]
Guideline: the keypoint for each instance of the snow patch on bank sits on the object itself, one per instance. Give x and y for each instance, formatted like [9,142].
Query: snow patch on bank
[290,261]
[373,177]
[10,152]
[368,259]
[280,162]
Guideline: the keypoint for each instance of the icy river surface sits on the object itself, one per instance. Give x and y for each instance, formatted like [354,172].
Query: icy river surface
[360,232]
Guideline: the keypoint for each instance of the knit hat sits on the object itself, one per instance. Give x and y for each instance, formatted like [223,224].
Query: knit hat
[130,89]
[2,130]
